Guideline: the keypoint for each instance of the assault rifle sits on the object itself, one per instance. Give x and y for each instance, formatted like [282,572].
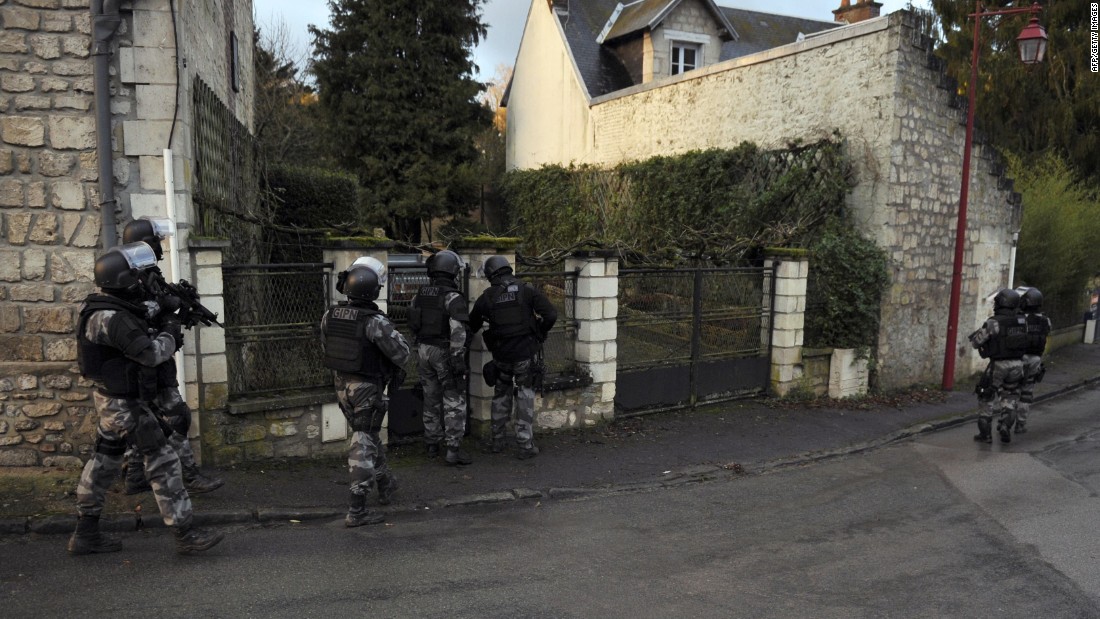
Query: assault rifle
[184,298]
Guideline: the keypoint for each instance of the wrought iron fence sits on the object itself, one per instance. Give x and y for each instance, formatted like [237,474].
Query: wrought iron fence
[273,333]
[674,316]
[558,350]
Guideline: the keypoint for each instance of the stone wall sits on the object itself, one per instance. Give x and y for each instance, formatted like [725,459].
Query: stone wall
[49,218]
[901,122]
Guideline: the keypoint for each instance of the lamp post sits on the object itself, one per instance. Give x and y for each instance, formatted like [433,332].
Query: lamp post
[1032,44]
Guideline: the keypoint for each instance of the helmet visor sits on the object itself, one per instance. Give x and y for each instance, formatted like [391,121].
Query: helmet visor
[373,264]
[162,226]
[138,255]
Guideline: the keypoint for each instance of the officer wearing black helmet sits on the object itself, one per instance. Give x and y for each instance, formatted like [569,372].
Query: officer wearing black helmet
[439,317]
[364,350]
[169,405]
[1002,340]
[121,352]
[1038,328]
[519,318]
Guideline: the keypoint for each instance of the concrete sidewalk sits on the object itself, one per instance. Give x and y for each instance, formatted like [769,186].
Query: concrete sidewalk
[630,454]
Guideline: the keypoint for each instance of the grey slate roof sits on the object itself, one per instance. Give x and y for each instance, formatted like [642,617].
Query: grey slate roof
[603,72]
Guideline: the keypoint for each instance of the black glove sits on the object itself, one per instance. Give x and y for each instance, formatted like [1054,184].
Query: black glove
[172,326]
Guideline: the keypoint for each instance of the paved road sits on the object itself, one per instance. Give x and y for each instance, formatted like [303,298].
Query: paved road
[934,527]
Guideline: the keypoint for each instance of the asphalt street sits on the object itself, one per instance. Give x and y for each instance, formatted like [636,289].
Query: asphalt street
[932,526]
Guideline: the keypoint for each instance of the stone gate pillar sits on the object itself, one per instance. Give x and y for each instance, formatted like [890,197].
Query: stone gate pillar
[206,370]
[597,314]
[792,268]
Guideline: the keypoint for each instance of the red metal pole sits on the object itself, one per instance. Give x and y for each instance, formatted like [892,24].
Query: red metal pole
[960,228]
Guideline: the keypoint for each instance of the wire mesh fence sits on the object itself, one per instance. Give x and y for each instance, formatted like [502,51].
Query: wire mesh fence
[273,330]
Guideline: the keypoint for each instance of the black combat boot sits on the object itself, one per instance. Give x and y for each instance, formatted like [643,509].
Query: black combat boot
[1020,428]
[432,450]
[358,514]
[497,446]
[193,539]
[387,486]
[136,483]
[527,451]
[457,456]
[1005,430]
[197,483]
[984,435]
[87,539]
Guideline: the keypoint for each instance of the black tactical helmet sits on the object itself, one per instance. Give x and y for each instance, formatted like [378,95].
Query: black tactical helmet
[120,268]
[148,230]
[1007,298]
[362,284]
[496,265]
[1031,300]
[445,262]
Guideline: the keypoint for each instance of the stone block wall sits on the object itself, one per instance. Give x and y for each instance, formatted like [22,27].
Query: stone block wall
[788,320]
[50,220]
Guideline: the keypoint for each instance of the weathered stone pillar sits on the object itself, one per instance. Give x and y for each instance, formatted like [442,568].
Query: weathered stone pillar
[597,312]
[475,252]
[205,367]
[792,267]
[342,252]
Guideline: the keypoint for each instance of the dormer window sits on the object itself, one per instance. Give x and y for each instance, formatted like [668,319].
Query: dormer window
[685,57]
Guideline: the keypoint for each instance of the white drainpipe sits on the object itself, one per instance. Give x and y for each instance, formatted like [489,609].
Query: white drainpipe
[173,247]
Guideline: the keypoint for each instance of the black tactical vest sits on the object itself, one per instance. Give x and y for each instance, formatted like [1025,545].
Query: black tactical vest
[510,315]
[1011,339]
[428,317]
[347,348]
[1038,328]
[108,365]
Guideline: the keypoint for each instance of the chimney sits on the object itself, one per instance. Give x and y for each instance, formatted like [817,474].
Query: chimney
[854,11]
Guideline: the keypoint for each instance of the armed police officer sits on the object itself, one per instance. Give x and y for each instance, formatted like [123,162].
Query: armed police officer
[1038,328]
[122,352]
[439,317]
[519,318]
[1002,340]
[365,351]
[169,405]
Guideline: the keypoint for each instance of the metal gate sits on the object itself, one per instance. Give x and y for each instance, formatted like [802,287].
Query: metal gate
[407,403]
[690,336]
[272,336]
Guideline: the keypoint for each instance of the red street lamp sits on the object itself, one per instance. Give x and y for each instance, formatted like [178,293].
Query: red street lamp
[1033,45]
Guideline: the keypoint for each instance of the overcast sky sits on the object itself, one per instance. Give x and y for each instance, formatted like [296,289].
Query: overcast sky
[505,19]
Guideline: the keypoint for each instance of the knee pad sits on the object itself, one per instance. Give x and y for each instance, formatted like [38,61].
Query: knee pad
[110,447]
[179,418]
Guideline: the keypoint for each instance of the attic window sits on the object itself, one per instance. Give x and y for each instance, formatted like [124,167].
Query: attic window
[685,57]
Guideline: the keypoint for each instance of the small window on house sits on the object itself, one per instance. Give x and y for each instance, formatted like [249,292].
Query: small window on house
[685,57]
[234,63]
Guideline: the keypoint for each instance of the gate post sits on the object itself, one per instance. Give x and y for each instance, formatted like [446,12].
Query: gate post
[597,313]
[474,252]
[792,268]
[205,365]
[342,252]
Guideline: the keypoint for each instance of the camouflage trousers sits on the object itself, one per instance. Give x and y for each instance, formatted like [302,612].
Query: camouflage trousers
[1007,379]
[1031,365]
[518,373]
[364,406]
[162,467]
[444,398]
[168,399]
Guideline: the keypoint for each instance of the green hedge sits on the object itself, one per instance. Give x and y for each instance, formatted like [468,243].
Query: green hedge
[314,198]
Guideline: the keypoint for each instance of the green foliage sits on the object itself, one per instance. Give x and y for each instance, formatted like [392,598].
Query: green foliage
[1029,109]
[705,204]
[848,275]
[1059,233]
[396,81]
[315,198]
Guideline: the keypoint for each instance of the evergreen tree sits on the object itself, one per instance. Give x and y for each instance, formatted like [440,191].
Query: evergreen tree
[396,81]
[1024,109]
